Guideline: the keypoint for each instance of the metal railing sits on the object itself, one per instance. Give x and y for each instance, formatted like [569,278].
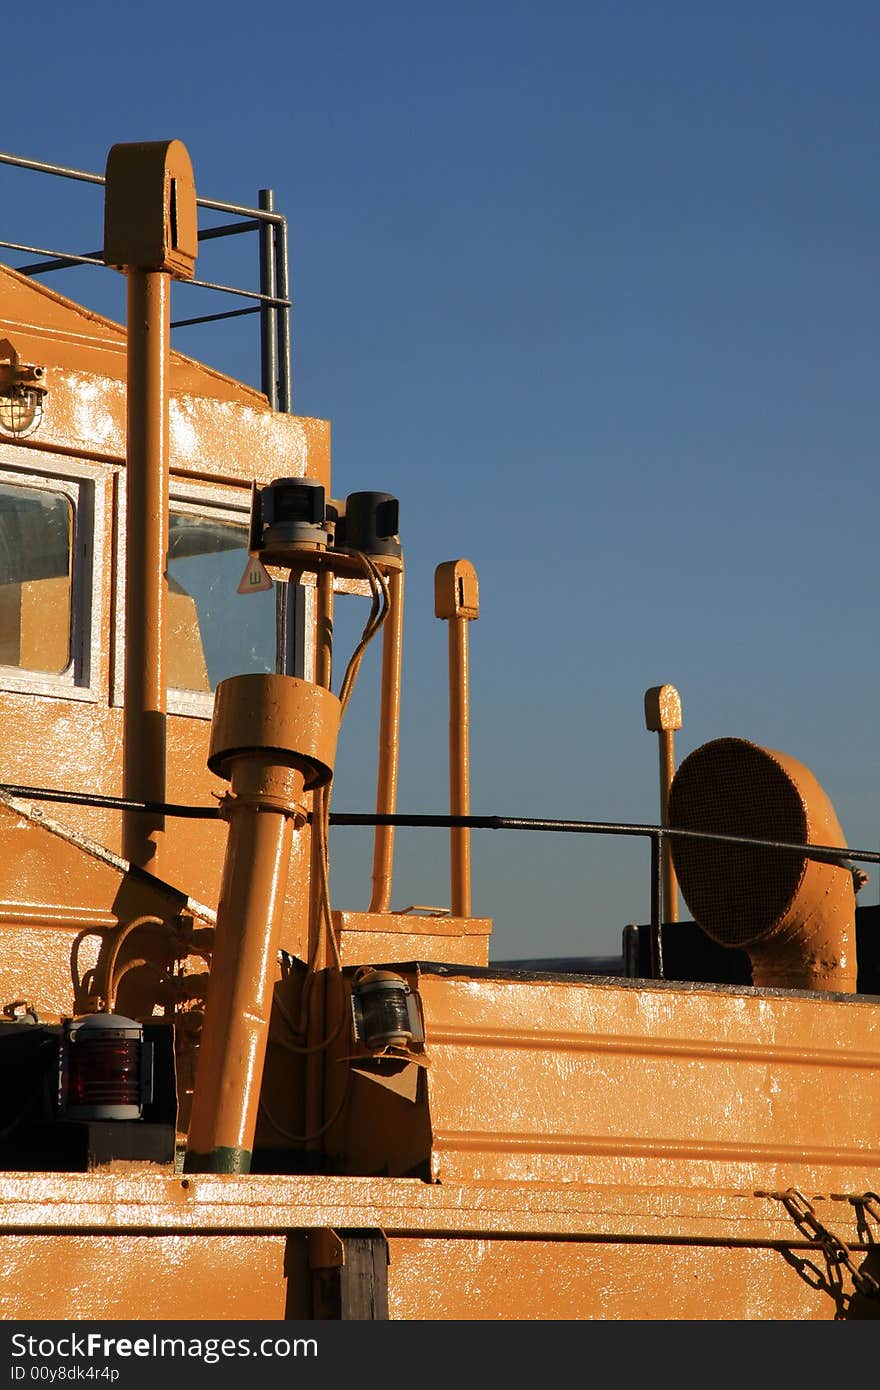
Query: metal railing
[272,300]
[657,834]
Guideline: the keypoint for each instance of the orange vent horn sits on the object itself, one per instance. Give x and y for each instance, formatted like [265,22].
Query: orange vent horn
[795,915]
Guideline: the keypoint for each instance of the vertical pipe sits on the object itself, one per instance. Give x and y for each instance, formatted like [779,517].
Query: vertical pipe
[317,944]
[663,717]
[146,545]
[274,737]
[324,624]
[656,917]
[268,312]
[282,291]
[389,746]
[232,1049]
[459,766]
[290,621]
[457,601]
[317,949]
[667,772]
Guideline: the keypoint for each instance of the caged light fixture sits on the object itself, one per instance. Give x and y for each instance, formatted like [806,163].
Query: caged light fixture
[21,394]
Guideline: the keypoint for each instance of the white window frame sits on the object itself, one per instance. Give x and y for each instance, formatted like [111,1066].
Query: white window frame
[208,501]
[86,486]
[204,504]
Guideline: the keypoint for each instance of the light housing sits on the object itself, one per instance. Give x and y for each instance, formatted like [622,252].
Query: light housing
[106,1069]
[22,390]
[385,1010]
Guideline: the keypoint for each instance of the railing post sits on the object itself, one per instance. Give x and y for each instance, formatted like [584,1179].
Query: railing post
[150,232]
[656,900]
[456,598]
[268,312]
[389,746]
[663,717]
[282,291]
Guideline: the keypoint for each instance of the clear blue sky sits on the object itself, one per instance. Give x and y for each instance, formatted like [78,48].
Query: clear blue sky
[593,289]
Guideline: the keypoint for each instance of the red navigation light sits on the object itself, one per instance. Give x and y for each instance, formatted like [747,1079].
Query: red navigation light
[103,1074]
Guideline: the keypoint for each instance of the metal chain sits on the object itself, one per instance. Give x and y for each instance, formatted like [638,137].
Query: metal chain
[835,1250]
[870,1202]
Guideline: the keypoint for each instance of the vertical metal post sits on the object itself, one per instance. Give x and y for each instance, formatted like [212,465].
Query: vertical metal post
[150,231]
[389,746]
[663,717]
[656,917]
[268,312]
[146,544]
[291,628]
[459,766]
[282,291]
[457,600]
[318,953]
[317,949]
[667,772]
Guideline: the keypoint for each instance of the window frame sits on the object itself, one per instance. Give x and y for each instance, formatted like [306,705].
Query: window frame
[206,501]
[85,486]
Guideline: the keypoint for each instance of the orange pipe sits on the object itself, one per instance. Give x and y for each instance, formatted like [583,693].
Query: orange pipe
[317,943]
[232,1049]
[666,739]
[274,737]
[459,766]
[389,746]
[317,949]
[146,545]
[663,717]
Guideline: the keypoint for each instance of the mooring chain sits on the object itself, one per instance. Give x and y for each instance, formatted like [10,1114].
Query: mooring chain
[869,1202]
[836,1250]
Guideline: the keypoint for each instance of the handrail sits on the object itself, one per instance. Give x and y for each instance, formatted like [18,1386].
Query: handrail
[273,302]
[839,854]
[826,853]
[40,166]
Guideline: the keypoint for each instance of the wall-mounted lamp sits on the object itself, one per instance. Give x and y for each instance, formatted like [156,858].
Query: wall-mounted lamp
[22,390]
[385,1010]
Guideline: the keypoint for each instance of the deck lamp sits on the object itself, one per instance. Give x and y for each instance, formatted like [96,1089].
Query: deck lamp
[384,1010]
[21,394]
[105,1069]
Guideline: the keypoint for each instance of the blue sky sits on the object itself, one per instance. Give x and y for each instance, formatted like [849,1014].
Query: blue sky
[593,289]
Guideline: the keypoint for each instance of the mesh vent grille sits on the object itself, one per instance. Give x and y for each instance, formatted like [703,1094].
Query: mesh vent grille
[733,787]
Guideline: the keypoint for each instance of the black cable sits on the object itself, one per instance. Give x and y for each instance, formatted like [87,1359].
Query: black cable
[113,803]
[833,853]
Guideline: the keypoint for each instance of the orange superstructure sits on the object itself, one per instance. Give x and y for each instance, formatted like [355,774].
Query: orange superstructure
[227,1097]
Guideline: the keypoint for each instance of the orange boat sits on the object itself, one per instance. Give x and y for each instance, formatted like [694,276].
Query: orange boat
[225,1098]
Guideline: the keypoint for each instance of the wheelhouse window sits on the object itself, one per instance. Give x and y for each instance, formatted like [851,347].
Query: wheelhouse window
[36,579]
[53,515]
[213,630]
